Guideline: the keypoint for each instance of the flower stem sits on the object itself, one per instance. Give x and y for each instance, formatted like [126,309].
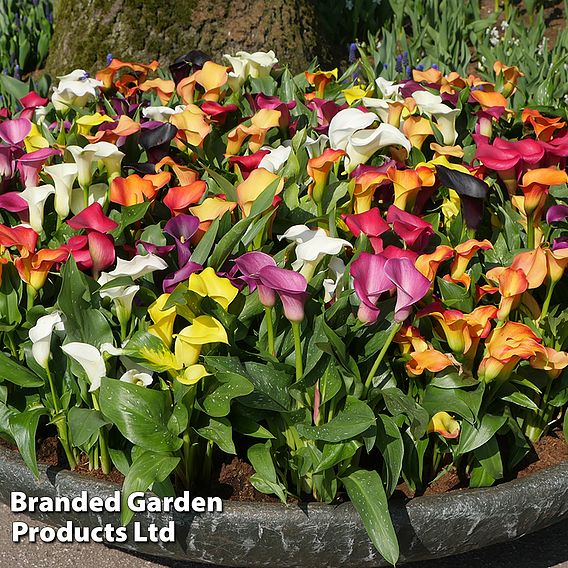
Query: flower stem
[270,330]
[103,442]
[298,350]
[380,357]
[546,303]
[530,232]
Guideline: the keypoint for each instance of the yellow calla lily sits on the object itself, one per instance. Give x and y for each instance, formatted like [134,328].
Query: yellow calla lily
[443,424]
[207,283]
[451,206]
[356,93]
[203,330]
[34,140]
[163,319]
[86,122]
[192,375]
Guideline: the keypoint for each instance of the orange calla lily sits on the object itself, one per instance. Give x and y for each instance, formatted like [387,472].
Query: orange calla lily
[556,263]
[431,76]
[212,208]
[364,190]
[464,253]
[23,238]
[536,184]
[428,264]
[409,340]
[163,88]
[510,77]
[33,270]
[107,74]
[488,99]
[452,82]
[428,360]
[417,129]
[178,199]
[533,264]
[512,283]
[253,186]
[550,360]
[132,190]
[125,127]
[256,132]
[448,151]
[211,77]
[193,126]
[320,79]
[184,174]
[319,168]
[544,127]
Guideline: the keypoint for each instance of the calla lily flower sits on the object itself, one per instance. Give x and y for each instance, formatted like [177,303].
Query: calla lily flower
[250,264]
[556,213]
[30,164]
[428,264]
[311,247]
[276,158]
[247,164]
[413,230]
[189,341]
[14,131]
[464,253]
[512,283]
[163,320]
[428,360]
[33,269]
[40,336]
[193,127]
[533,264]
[320,79]
[318,169]
[375,274]
[136,377]
[22,237]
[122,298]
[64,176]
[250,189]
[161,113]
[536,184]
[97,193]
[93,218]
[245,65]
[178,199]
[139,266]
[207,283]
[75,89]
[181,275]
[432,105]
[290,286]
[370,223]
[331,285]
[544,127]
[12,202]
[156,139]
[442,423]
[90,358]
[417,129]
[182,228]
[211,77]
[260,124]
[212,208]
[36,197]
[84,159]
[110,156]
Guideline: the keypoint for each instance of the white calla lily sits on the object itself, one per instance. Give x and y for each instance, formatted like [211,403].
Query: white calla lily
[312,246]
[345,123]
[364,143]
[122,297]
[75,89]
[110,156]
[245,65]
[63,176]
[432,106]
[276,158]
[136,377]
[389,89]
[90,358]
[40,336]
[330,285]
[138,267]
[97,192]
[36,197]
[379,106]
[316,146]
[162,113]
[84,159]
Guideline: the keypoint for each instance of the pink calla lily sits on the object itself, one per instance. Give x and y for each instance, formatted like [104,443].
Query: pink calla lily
[93,218]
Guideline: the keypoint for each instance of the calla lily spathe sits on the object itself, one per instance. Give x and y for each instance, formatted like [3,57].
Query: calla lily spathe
[40,336]
[64,176]
[432,105]
[90,358]
[136,377]
[75,89]
[36,197]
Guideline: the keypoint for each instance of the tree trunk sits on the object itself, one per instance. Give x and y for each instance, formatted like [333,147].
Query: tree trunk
[86,31]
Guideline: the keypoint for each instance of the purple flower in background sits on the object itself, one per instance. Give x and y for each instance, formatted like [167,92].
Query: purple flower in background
[290,286]
[353,52]
[398,65]
[182,228]
[109,58]
[249,265]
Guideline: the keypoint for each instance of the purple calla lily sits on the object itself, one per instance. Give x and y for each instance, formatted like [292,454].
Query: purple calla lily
[290,286]
[182,228]
[250,265]
[171,281]
[375,274]
[556,213]
[560,243]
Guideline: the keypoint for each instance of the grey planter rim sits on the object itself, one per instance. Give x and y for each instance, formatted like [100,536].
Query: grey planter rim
[315,535]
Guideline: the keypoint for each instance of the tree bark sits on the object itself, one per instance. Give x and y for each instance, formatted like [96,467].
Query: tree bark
[86,31]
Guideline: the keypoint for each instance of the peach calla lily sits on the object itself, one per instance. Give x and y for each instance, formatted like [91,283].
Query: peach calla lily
[442,423]
[253,186]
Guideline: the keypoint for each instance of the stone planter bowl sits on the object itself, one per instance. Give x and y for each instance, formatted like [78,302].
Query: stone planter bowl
[317,535]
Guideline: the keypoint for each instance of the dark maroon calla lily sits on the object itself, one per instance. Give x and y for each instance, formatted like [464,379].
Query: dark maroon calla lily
[247,164]
[187,64]
[249,265]
[155,139]
[218,113]
[160,250]
[93,218]
[290,286]
[560,243]
[182,228]
[413,230]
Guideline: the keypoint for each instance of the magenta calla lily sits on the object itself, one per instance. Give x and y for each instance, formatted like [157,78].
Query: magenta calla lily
[556,213]
[30,164]
[373,275]
[250,264]
[14,131]
[12,202]
[413,230]
[370,223]
[93,218]
[290,286]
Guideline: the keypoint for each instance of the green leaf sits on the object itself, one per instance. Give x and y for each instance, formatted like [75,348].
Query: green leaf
[472,437]
[219,431]
[83,423]
[206,243]
[264,200]
[148,468]
[218,403]
[16,374]
[270,388]
[365,489]
[17,89]
[248,427]
[151,350]
[565,425]
[336,453]
[390,444]
[354,419]
[140,414]
[224,184]
[264,478]
[23,427]
[521,399]
[228,242]
[399,403]
[489,458]
[456,296]
[130,215]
